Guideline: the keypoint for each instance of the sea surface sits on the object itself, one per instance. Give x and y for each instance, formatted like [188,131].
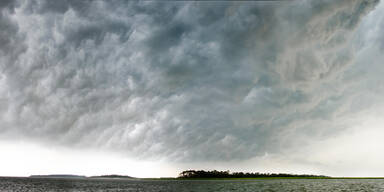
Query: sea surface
[112,185]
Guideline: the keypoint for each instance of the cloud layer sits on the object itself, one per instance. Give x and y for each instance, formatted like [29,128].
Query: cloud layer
[185,81]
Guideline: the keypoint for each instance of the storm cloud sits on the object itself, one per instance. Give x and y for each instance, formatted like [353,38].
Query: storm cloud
[184,81]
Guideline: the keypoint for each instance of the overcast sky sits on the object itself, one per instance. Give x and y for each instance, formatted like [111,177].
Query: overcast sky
[150,88]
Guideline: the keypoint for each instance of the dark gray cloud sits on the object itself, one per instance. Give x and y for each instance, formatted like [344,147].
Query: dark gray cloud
[188,81]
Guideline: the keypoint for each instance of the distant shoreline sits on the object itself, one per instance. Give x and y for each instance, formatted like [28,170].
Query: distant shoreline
[191,174]
[82,177]
[57,176]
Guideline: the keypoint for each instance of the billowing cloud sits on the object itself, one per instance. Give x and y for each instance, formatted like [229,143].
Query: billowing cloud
[185,81]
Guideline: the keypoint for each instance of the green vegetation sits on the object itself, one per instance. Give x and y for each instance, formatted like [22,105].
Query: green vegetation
[201,174]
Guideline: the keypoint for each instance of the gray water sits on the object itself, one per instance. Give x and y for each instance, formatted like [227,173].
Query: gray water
[112,185]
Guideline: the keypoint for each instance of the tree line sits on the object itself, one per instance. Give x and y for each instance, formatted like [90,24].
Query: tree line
[228,174]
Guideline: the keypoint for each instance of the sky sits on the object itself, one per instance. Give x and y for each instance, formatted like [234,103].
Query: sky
[152,88]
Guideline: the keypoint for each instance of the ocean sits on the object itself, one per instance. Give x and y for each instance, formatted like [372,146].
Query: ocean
[8,184]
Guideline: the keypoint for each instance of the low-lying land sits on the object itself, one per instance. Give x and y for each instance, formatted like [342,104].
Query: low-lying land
[112,177]
[58,176]
[83,177]
[191,174]
[209,175]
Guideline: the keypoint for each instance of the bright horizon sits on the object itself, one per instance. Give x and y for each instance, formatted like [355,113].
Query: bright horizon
[153,88]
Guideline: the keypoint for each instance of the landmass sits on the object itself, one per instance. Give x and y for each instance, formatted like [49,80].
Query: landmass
[201,174]
[58,176]
[83,177]
[113,177]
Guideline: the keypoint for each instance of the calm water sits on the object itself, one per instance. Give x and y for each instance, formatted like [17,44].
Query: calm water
[283,185]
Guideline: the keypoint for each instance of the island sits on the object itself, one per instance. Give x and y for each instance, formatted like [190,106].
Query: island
[112,177]
[59,176]
[201,174]
[197,174]
[68,176]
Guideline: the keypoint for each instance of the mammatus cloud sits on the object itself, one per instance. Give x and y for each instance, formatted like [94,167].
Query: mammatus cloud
[187,81]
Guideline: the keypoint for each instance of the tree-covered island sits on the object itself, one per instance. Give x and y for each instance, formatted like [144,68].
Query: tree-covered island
[196,174]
